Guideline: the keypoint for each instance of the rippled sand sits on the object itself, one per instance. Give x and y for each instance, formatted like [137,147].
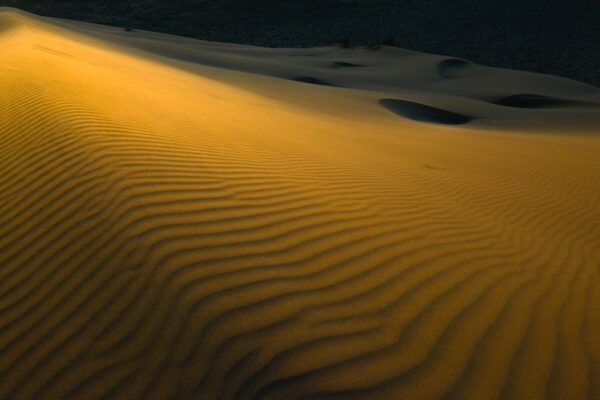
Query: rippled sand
[190,220]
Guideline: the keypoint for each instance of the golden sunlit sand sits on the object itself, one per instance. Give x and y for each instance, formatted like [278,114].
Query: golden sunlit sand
[191,220]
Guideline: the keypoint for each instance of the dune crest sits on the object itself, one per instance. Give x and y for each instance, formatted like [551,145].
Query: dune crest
[181,219]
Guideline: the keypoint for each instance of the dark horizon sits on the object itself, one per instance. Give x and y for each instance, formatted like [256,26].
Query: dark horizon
[551,37]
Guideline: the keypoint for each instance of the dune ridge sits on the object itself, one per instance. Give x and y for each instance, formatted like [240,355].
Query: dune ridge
[175,229]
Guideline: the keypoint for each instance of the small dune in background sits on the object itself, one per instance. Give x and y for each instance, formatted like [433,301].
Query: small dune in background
[182,219]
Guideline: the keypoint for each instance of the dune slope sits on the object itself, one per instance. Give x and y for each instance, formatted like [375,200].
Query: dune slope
[183,219]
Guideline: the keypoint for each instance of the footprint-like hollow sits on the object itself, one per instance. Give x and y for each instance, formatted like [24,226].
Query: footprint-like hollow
[526,100]
[313,81]
[424,113]
[450,68]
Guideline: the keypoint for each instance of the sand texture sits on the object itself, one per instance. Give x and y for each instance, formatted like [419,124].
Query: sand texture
[183,219]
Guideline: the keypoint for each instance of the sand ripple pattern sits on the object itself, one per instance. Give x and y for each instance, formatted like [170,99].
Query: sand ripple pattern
[184,255]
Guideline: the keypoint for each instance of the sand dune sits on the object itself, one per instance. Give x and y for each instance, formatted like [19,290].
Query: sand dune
[183,219]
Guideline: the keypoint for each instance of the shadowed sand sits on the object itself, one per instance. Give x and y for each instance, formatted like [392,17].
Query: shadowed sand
[423,112]
[451,68]
[314,81]
[537,101]
[181,220]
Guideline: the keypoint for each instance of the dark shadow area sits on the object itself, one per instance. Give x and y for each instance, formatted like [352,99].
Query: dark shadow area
[313,81]
[341,64]
[424,113]
[535,101]
[451,68]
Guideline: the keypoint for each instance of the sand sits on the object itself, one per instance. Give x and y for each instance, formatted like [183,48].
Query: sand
[183,219]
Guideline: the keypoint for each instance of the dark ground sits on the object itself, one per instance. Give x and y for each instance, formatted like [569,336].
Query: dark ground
[558,37]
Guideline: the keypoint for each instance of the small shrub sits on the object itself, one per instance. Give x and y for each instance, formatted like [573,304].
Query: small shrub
[344,42]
